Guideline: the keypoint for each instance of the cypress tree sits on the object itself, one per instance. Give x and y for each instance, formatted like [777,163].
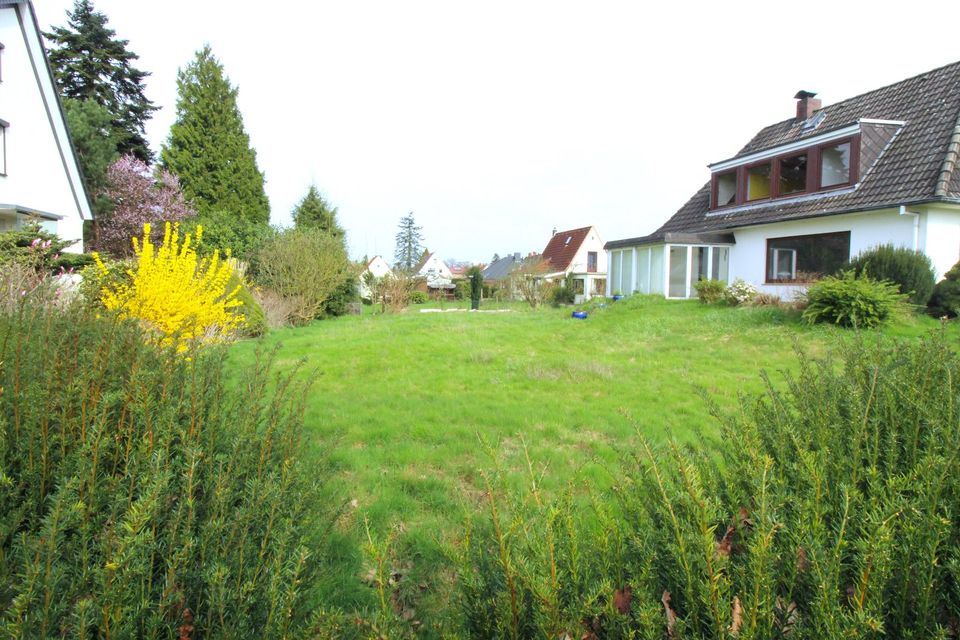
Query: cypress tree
[209,150]
[313,212]
[90,63]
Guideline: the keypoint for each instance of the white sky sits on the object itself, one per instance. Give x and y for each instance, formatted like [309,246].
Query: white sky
[496,121]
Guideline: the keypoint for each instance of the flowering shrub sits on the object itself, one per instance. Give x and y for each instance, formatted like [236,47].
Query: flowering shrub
[173,292]
[740,292]
[139,195]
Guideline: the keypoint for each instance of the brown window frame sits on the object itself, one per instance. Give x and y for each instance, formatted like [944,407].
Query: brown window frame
[813,173]
[714,187]
[767,255]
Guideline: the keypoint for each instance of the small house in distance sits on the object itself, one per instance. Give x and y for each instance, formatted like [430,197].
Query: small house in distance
[436,277]
[379,268]
[578,253]
[39,173]
[808,193]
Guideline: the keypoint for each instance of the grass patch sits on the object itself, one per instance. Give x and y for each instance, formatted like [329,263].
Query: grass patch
[410,407]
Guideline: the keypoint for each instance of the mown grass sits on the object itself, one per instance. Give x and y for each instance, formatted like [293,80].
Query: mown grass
[410,407]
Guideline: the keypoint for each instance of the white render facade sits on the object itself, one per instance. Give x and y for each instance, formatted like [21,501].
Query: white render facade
[379,268]
[39,174]
[671,269]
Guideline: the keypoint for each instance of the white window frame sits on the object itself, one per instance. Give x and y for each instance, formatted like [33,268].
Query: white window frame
[775,263]
[711,251]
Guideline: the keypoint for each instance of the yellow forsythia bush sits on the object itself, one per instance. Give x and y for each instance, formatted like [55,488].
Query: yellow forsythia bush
[174,292]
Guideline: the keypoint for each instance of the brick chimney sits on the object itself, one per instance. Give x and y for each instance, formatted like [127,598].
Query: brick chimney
[806,104]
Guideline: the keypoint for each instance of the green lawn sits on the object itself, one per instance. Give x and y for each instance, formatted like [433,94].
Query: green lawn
[410,407]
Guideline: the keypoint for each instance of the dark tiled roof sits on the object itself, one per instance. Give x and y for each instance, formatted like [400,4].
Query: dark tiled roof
[918,164]
[500,269]
[563,246]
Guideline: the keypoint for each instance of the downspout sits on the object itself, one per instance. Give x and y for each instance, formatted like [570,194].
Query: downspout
[916,225]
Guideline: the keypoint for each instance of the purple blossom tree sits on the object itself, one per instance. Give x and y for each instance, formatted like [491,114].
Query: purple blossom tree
[138,195]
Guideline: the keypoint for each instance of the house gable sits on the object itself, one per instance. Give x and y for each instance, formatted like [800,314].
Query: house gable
[42,172]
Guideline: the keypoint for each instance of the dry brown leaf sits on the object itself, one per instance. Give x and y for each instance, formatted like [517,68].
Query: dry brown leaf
[725,544]
[670,613]
[736,617]
[622,599]
[743,517]
[802,562]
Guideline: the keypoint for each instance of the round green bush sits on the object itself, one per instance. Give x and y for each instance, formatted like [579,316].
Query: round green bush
[945,300]
[910,270]
[710,291]
[849,300]
[419,297]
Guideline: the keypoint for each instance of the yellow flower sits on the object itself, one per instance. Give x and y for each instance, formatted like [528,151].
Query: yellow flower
[182,298]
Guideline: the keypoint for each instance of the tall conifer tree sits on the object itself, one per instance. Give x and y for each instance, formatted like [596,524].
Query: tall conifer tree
[90,63]
[209,150]
[313,212]
[409,246]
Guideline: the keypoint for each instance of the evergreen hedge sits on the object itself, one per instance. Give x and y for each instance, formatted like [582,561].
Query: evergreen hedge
[910,270]
[144,496]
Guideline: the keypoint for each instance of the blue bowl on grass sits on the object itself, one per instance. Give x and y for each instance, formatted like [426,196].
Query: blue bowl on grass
[579,315]
[617,297]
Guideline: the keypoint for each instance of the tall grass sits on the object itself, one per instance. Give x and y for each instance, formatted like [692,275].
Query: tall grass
[828,510]
[141,496]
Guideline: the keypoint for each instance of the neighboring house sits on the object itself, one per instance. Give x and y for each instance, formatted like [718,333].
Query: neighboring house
[806,194]
[499,274]
[578,253]
[435,273]
[500,270]
[39,174]
[379,268]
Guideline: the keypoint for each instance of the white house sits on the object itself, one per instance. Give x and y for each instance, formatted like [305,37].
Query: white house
[808,193]
[577,252]
[39,173]
[435,272]
[379,268]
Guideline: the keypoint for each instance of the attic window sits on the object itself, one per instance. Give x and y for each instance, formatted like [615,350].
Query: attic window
[569,238]
[817,168]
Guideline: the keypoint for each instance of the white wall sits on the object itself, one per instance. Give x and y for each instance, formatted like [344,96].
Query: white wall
[748,259]
[592,242]
[41,172]
[940,236]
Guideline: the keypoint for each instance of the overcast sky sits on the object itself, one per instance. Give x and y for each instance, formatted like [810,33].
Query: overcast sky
[495,122]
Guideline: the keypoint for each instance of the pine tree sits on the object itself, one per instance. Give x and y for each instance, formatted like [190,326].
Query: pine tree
[314,212]
[90,63]
[209,150]
[409,244]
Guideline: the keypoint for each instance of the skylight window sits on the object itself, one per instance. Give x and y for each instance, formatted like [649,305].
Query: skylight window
[569,238]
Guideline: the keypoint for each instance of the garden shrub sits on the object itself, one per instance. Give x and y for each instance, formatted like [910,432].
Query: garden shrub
[254,320]
[740,292]
[826,510]
[853,301]
[710,291]
[910,270]
[305,266]
[945,299]
[766,300]
[563,293]
[343,296]
[181,298]
[419,297]
[142,495]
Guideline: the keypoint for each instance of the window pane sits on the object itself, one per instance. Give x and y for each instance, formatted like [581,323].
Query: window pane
[726,189]
[835,165]
[806,258]
[721,262]
[793,174]
[699,270]
[758,182]
[626,283]
[678,272]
